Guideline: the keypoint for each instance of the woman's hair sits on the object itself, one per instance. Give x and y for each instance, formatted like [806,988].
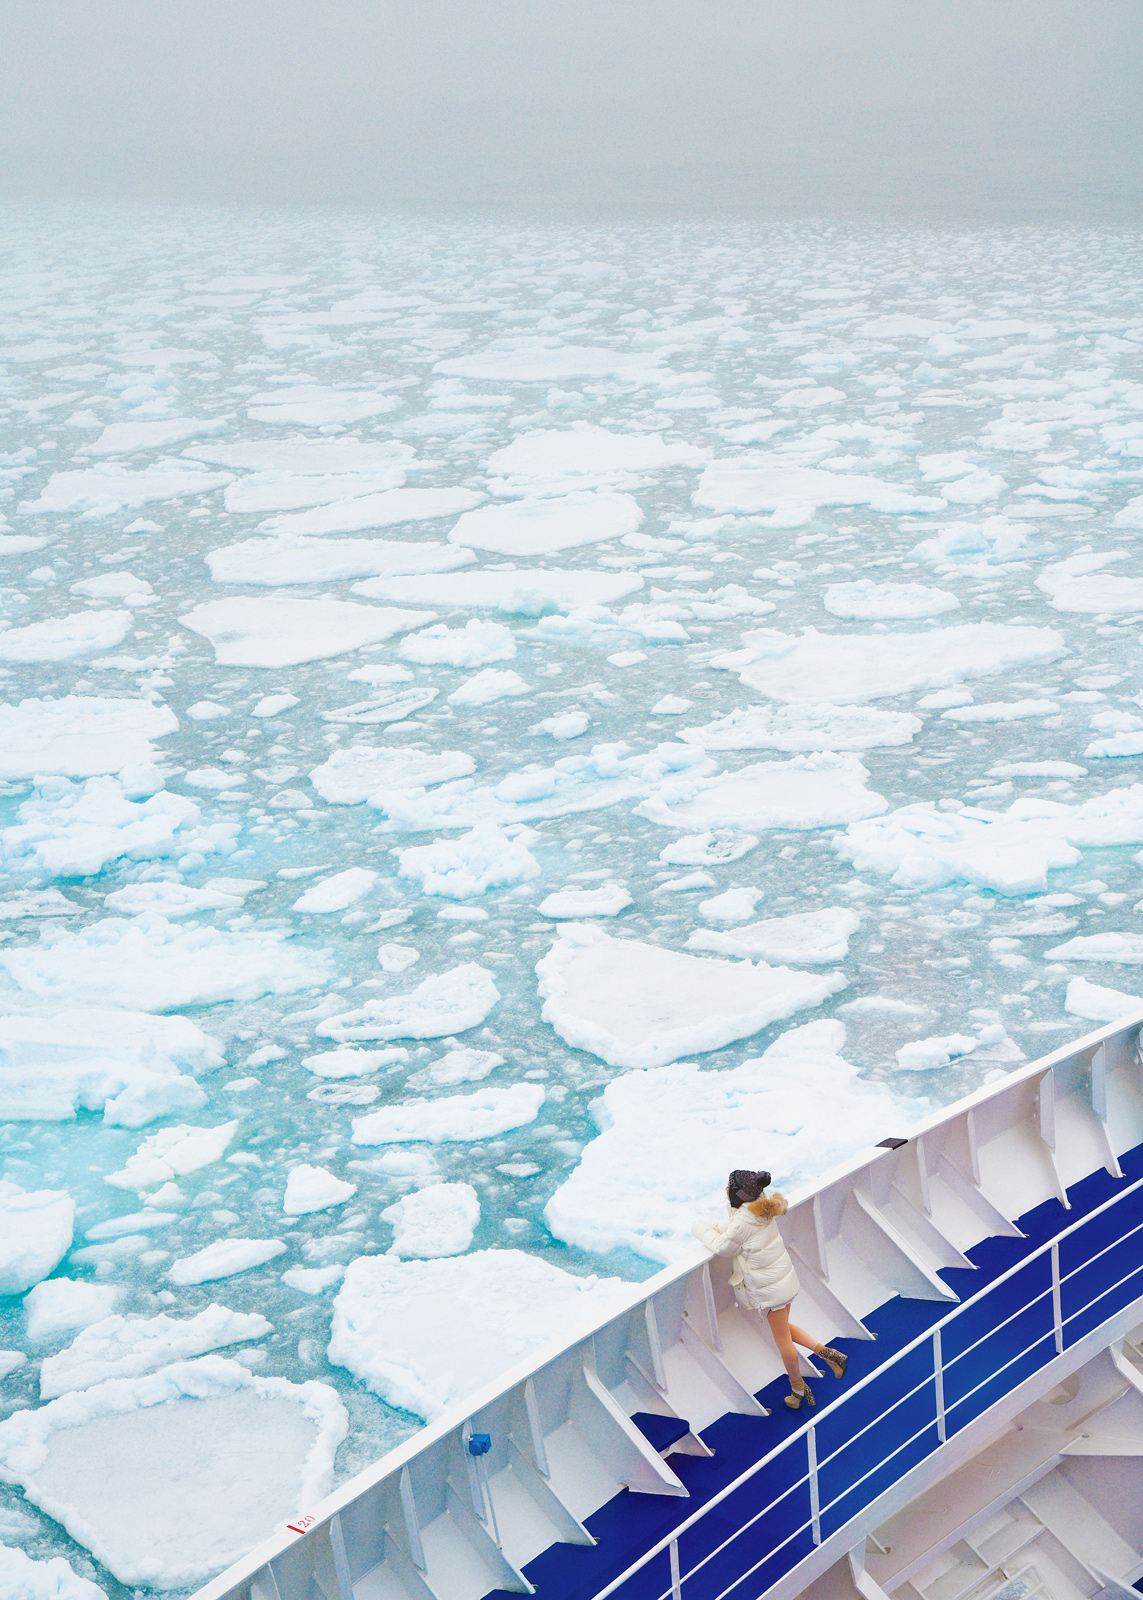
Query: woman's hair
[744,1187]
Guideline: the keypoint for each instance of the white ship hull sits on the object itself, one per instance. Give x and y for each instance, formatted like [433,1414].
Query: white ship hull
[993,1435]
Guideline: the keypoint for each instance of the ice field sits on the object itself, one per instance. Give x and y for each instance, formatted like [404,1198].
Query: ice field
[503,722]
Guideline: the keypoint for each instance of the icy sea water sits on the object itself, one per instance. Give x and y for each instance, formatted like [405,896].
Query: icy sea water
[742,621]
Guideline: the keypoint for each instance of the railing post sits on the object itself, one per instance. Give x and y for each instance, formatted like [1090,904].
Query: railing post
[815,1502]
[1057,1306]
[676,1581]
[939,1383]
[340,1563]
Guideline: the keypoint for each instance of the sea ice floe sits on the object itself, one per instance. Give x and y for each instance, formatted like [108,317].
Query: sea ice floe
[172,1153]
[549,457]
[540,527]
[150,964]
[314,404]
[350,1063]
[708,849]
[225,1258]
[310,1189]
[281,630]
[735,905]
[639,1005]
[469,865]
[607,900]
[128,1347]
[484,1114]
[35,1234]
[845,666]
[272,563]
[565,725]
[283,491]
[522,592]
[537,360]
[487,686]
[61,638]
[301,455]
[73,830]
[796,1109]
[925,1055]
[388,1328]
[812,791]
[111,487]
[180,899]
[61,1305]
[128,1065]
[808,938]
[1123,949]
[383,510]
[793,493]
[124,586]
[1010,852]
[148,1437]
[462,1065]
[474,645]
[127,438]
[338,892]
[438,1220]
[1080,583]
[1001,711]
[1122,735]
[1098,1004]
[397,957]
[448,1002]
[22,1578]
[865,600]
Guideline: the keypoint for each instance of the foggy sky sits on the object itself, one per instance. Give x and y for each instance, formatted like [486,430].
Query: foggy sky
[995,108]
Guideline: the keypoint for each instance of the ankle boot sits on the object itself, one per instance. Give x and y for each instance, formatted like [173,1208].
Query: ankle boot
[796,1396]
[835,1360]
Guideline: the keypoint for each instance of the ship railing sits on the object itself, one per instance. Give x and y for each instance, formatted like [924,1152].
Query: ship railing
[930,1390]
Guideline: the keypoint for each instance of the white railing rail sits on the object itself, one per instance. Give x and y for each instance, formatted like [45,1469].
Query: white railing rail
[939,1418]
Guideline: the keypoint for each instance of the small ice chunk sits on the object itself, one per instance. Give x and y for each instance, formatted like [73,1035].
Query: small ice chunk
[639,1005]
[389,1332]
[810,938]
[736,905]
[462,1065]
[353,775]
[567,725]
[608,900]
[439,1220]
[926,1055]
[127,1347]
[865,600]
[351,1063]
[446,1003]
[487,686]
[223,1259]
[1126,949]
[671,705]
[708,849]
[35,1234]
[336,893]
[314,1189]
[474,645]
[1097,1004]
[397,957]
[60,1305]
[463,868]
[271,705]
[312,1280]
[627,658]
[207,711]
[484,1114]
[172,1153]
[113,1462]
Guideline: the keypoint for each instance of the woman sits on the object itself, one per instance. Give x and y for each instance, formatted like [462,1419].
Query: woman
[764,1279]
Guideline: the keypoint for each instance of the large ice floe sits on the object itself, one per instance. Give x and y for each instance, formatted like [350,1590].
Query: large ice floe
[139,1442]
[389,1331]
[638,1005]
[470,696]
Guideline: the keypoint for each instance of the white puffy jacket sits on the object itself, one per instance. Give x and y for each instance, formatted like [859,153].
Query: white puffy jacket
[763,1278]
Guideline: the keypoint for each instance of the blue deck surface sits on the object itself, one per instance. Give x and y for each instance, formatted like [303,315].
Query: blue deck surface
[864,1431]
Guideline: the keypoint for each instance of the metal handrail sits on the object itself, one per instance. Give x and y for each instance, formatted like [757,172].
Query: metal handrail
[932,1335]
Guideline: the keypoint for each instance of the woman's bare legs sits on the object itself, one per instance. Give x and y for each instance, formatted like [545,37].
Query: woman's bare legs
[787,1336]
